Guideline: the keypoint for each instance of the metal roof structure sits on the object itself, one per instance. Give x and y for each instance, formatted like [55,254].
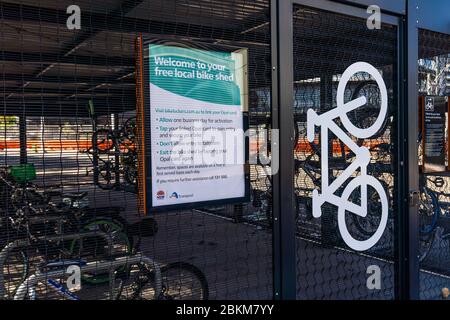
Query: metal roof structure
[48,69]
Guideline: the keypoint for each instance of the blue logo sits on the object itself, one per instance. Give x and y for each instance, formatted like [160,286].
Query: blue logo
[174,195]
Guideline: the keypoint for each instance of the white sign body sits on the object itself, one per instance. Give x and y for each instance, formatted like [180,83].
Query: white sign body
[197,99]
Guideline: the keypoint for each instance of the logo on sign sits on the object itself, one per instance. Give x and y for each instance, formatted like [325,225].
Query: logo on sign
[174,195]
[160,195]
[429,106]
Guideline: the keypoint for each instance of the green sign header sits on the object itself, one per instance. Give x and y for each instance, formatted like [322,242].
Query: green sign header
[207,76]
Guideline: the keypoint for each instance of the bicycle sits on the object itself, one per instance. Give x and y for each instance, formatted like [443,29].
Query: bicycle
[35,218]
[362,159]
[49,273]
[132,277]
[123,139]
[152,282]
[119,144]
[434,215]
[179,280]
[66,232]
[366,226]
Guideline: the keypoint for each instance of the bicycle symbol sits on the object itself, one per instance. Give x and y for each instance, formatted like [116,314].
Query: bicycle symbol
[430,105]
[362,158]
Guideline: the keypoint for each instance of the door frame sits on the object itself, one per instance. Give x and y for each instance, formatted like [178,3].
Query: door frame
[284,211]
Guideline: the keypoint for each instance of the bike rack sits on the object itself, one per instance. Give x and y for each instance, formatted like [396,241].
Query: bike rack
[26,242]
[29,284]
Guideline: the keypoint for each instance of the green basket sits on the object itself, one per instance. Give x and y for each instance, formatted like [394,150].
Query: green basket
[22,173]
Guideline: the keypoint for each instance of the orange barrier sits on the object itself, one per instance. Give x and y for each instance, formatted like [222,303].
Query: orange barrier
[303,146]
[50,145]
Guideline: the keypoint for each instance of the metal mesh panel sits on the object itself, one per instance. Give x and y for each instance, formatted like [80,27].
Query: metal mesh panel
[68,107]
[325,44]
[433,66]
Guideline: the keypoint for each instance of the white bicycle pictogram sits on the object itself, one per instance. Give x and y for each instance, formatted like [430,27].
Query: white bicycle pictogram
[362,158]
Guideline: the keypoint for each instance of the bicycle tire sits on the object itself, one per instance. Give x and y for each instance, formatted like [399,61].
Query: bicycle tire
[190,268]
[129,129]
[130,171]
[11,284]
[373,216]
[427,232]
[142,287]
[368,109]
[106,176]
[436,211]
[99,221]
[262,200]
[352,242]
[106,143]
[426,242]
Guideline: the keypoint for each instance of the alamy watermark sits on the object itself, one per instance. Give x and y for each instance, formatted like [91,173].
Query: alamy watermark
[73,282]
[205,145]
[74,20]
[374,20]
[374,277]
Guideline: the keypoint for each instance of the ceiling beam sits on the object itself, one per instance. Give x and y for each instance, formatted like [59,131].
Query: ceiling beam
[107,102]
[117,22]
[51,58]
[75,80]
[88,31]
[83,35]
[72,109]
[72,91]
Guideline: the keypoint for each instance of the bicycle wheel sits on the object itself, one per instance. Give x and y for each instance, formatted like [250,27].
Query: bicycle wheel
[130,127]
[372,129]
[103,140]
[15,271]
[96,247]
[304,208]
[365,244]
[130,171]
[127,136]
[425,244]
[180,281]
[366,115]
[106,175]
[262,201]
[429,211]
[368,225]
[183,281]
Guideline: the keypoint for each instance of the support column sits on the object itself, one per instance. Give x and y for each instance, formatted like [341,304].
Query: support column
[284,226]
[23,139]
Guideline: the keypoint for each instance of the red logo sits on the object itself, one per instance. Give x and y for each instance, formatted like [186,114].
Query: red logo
[160,195]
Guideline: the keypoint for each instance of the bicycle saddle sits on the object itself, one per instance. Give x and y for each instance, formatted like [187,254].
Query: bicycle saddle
[75,196]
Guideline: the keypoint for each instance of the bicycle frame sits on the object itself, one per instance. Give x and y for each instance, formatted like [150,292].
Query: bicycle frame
[60,289]
[29,285]
[21,243]
[362,159]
